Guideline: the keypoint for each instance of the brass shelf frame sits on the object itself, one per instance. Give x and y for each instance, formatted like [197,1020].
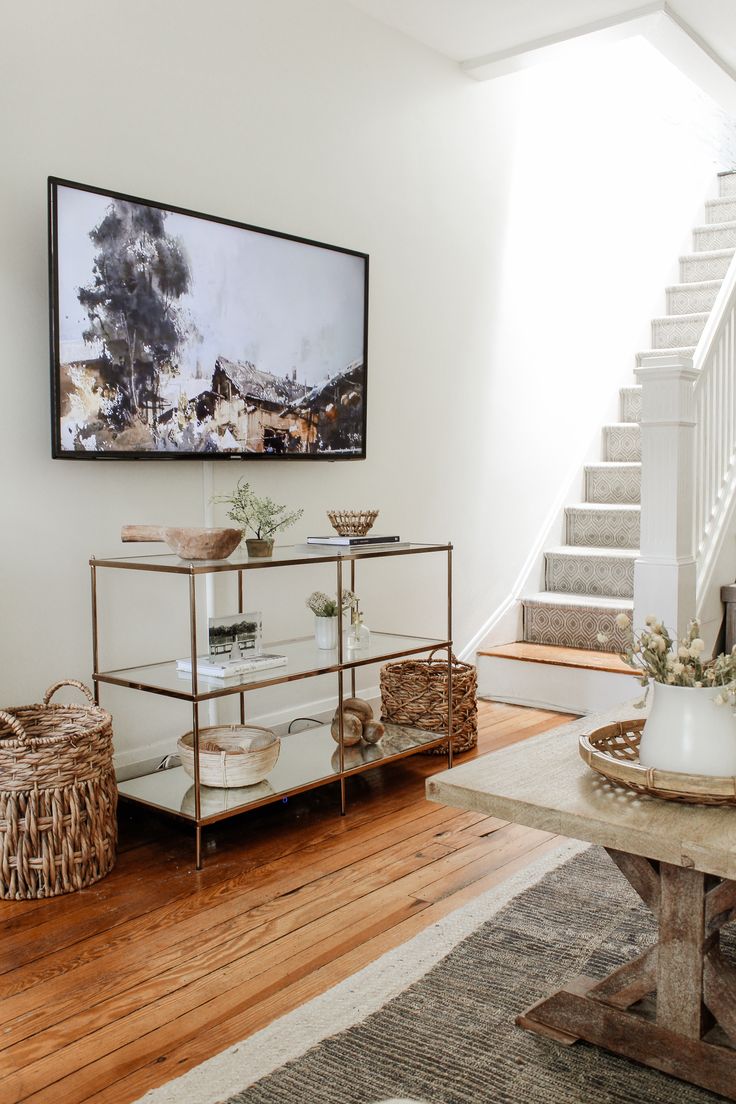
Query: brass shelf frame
[289,556]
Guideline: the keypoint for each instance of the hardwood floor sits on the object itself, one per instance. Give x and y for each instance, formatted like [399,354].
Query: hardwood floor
[112,991]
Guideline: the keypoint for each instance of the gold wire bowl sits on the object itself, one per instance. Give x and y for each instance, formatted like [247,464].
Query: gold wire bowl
[613,751]
[352,523]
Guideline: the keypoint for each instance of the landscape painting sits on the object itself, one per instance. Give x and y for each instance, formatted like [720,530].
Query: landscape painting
[179,335]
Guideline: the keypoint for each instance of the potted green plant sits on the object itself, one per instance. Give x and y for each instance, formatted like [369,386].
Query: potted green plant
[325,610]
[261,516]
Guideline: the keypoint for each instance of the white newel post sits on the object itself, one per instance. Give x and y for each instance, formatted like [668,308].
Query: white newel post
[664,574]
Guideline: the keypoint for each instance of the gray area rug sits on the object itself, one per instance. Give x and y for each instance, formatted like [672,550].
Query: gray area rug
[450,1038]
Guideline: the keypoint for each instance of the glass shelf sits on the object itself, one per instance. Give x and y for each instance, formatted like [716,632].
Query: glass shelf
[307,759]
[305,660]
[283,556]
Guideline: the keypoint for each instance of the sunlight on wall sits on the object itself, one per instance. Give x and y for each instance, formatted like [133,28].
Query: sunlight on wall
[615,152]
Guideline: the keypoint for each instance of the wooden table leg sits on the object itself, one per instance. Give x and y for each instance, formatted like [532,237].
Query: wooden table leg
[695,988]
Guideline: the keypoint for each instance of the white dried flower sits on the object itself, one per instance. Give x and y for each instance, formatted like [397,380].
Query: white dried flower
[697,646]
[678,667]
[658,642]
[622,621]
[651,620]
[683,652]
[602,638]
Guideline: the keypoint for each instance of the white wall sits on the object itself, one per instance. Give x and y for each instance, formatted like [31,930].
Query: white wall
[489,211]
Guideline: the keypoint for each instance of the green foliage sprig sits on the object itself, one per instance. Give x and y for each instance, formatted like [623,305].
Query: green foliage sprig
[262,516]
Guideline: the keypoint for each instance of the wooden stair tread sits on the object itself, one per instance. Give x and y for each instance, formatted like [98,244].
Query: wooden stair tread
[581,658]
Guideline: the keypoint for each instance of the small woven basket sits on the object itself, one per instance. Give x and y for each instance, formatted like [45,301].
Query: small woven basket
[225,758]
[352,523]
[414,692]
[58,797]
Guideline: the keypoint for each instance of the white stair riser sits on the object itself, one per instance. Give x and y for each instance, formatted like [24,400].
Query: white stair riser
[673,333]
[609,576]
[547,686]
[622,442]
[630,404]
[572,627]
[727,184]
[714,237]
[721,210]
[695,269]
[605,484]
[692,298]
[602,528]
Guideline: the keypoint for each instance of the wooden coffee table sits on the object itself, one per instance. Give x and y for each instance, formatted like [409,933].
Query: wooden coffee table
[674,1007]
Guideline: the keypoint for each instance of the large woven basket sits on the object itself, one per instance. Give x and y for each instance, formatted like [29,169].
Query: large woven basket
[414,692]
[58,797]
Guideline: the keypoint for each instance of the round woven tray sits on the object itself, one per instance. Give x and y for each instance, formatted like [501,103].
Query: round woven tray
[614,752]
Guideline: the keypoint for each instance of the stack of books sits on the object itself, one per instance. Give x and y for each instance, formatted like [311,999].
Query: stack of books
[353,542]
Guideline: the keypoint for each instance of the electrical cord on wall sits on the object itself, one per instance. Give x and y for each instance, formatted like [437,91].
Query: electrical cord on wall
[296,720]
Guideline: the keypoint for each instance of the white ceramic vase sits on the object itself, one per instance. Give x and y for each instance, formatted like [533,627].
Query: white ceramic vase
[687,732]
[325,632]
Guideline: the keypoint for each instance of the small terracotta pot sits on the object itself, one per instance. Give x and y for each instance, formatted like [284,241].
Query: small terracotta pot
[258,547]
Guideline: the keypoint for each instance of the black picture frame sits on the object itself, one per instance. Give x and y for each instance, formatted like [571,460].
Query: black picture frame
[339,403]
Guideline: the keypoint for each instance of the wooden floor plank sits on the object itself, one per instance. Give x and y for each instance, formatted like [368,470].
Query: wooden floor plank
[249,889]
[193,1051]
[104,995]
[150,969]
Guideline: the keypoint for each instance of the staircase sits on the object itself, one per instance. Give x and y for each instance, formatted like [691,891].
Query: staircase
[590,579]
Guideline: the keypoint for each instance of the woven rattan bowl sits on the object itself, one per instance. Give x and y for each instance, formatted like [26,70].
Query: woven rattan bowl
[231,755]
[352,523]
[613,751]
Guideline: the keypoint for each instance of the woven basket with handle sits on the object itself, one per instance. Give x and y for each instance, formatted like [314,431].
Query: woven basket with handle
[58,797]
[414,692]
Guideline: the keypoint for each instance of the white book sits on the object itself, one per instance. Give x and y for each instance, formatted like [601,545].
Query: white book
[232,668]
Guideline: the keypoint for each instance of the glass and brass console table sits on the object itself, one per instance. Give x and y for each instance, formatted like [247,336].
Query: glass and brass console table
[309,758]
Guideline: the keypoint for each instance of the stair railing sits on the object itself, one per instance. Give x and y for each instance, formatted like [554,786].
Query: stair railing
[688,495]
[715,431]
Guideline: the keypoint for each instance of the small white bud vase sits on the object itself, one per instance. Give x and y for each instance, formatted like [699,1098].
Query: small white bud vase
[688,732]
[325,632]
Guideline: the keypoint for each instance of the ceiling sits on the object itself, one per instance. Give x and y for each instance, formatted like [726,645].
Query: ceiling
[463,29]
